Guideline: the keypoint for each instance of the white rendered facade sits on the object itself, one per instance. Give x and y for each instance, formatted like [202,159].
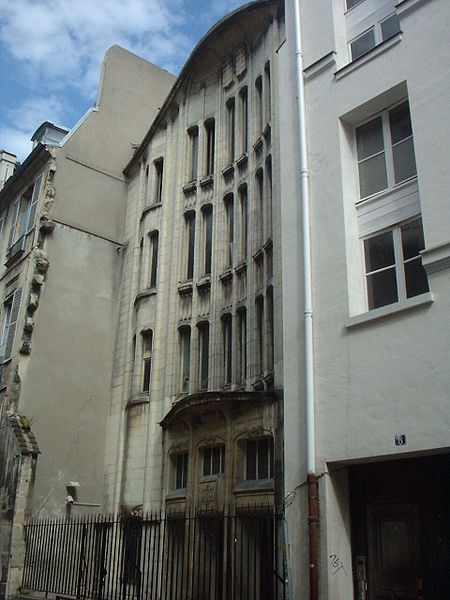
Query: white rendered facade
[377,134]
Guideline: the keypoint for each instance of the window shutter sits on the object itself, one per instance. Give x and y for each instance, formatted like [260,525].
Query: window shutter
[33,205]
[15,214]
[13,323]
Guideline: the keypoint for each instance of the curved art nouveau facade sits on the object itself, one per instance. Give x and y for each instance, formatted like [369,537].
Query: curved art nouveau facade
[196,406]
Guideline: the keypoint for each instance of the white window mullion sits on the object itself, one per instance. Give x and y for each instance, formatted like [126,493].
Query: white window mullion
[388,151]
[399,268]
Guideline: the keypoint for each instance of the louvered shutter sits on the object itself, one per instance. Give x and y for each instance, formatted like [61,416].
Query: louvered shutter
[12,326]
[33,206]
[15,214]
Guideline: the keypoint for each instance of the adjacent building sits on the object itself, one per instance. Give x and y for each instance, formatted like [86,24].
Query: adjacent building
[377,133]
[61,216]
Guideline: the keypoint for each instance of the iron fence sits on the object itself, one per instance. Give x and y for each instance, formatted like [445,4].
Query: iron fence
[207,556]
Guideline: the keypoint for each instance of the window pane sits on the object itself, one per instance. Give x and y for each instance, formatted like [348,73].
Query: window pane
[400,122]
[412,239]
[351,3]
[404,160]
[216,460]
[372,175]
[379,252]
[363,44]
[369,138]
[251,460]
[207,461]
[263,459]
[147,374]
[416,278]
[204,355]
[390,27]
[382,288]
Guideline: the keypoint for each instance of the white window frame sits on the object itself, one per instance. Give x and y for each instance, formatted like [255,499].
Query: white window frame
[387,150]
[399,262]
[207,470]
[259,441]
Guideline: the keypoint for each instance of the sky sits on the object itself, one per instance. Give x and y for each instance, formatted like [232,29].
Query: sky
[51,53]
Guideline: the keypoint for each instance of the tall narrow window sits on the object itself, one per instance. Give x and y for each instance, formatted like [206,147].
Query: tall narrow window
[259,105]
[259,306]
[269,198]
[243,225]
[231,129]
[229,214]
[193,162]
[210,146]
[203,333]
[159,170]
[259,459]
[267,91]
[181,470]
[140,278]
[185,358]
[190,243]
[147,350]
[227,348]
[154,239]
[207,232]
[243,121]
[270,331]
[242,343]
[259,206]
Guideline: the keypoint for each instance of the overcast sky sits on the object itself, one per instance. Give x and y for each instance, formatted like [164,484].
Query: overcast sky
[51,51]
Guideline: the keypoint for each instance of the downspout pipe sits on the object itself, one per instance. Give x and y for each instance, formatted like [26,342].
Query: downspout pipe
[313,504]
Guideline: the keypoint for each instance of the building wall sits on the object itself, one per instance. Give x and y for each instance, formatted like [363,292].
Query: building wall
[180,299]
[378,372]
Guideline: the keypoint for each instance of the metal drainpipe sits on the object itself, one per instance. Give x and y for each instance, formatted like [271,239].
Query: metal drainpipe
[313,489]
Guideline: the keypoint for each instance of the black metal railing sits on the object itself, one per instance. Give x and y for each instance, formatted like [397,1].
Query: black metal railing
[207,556]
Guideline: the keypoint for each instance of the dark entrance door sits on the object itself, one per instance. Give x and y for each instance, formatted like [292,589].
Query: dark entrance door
[393,549]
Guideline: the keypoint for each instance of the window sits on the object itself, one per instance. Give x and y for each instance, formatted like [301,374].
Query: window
[243,225]
[214,460]
[203,334]
[269,200]
[159,168]
[193,163]
[267,90]
[270,331]
[185,358]
[259,306]
[140,277]
[227,348]
[231,129]
[242,343]
[207,234]
[210,143]
[385,151]
[394,268]
[351,3]
[243,121]
[229,213]
[11,314]
[259,105]
[181,470]
[379,32]
[147,349]
[154,239]
[259,206]
[259,459]
[190,243]
[23,217]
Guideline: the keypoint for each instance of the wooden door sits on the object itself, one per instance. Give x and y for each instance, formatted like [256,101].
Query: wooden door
[393,563]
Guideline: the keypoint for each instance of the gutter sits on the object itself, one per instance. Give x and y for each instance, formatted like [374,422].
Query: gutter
[313,488]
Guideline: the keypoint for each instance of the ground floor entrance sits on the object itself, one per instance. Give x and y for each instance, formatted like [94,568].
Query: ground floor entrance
[400,529]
